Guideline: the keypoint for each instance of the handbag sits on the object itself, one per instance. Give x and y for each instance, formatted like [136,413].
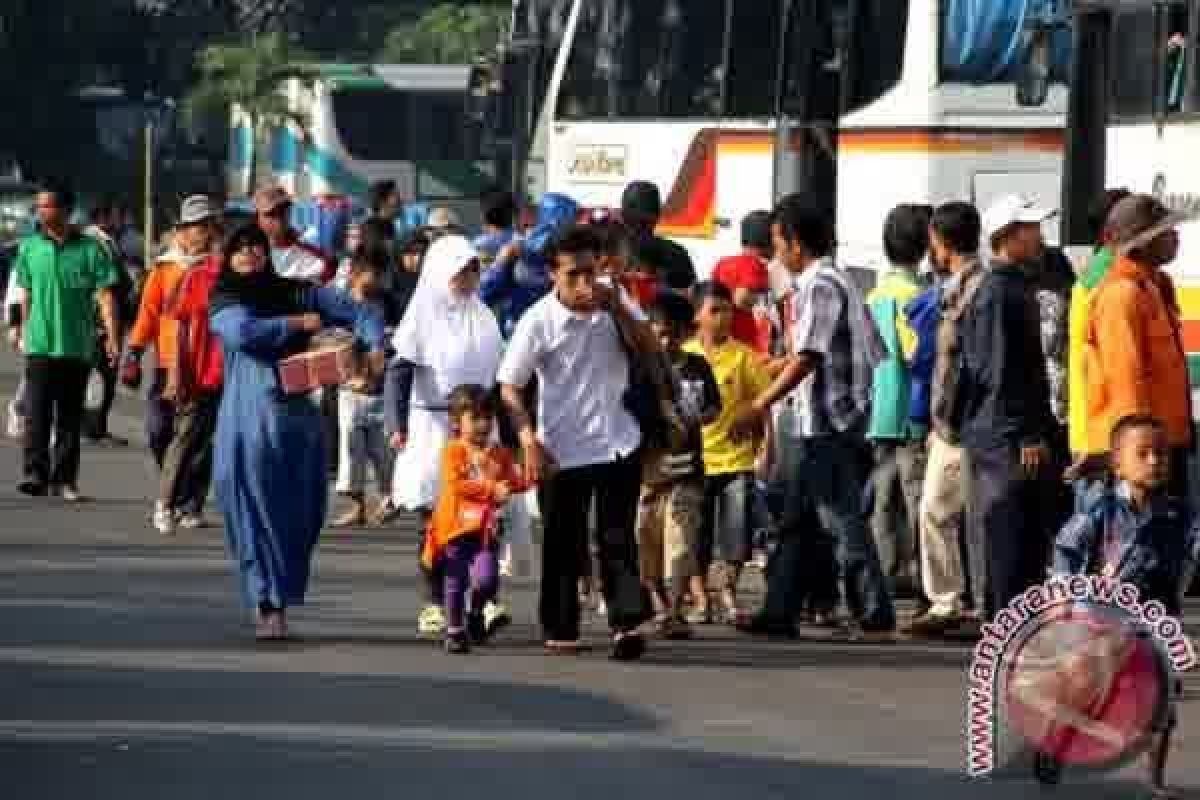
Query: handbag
[650,394]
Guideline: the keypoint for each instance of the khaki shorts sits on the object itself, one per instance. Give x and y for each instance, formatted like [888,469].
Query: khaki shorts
[668,524]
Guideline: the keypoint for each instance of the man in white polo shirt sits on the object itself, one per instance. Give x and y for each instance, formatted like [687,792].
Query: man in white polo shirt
[586,444]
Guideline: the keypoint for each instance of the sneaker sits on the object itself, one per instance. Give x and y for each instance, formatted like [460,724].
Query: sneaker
[16,425]
[192,521]
[495,618]
[70,493]
[108,440]
[457,643]
[431,621]
[164,521]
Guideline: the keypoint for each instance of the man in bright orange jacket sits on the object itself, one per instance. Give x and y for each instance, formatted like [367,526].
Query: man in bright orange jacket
[1135,359]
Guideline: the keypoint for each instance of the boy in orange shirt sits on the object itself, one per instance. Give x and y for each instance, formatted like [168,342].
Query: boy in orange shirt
[478,479]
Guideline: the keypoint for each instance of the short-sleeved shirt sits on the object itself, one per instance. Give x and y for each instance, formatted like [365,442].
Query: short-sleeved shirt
[61,281]
[583,374]
[741,378]
[697,396]
[832,323]
[747,271]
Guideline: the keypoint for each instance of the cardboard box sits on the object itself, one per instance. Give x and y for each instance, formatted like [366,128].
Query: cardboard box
[327,362]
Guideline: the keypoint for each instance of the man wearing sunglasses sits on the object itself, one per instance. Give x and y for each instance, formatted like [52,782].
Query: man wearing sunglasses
[291,257]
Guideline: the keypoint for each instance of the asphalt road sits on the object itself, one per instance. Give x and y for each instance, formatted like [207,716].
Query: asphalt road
[127,670]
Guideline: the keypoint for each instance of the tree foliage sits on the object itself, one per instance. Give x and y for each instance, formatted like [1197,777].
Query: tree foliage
[252,77]
[448,33]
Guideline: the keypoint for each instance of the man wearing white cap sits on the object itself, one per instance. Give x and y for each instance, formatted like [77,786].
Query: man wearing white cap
[1005,412]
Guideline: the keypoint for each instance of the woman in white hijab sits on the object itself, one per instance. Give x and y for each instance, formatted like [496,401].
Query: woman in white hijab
[447,338]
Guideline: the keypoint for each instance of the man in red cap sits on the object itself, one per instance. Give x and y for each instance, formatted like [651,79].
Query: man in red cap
[292,257]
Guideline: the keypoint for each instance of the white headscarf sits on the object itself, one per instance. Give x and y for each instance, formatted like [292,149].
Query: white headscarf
[455,337]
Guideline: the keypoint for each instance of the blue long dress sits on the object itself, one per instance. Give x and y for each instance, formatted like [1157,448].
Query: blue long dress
[269,465]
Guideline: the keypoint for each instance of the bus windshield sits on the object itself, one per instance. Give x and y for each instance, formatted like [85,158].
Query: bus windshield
[396,125]
[981,41]
[654,59]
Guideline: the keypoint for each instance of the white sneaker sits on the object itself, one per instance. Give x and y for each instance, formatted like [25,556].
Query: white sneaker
[164,520]
[431,621]
[16,425]
[192,521]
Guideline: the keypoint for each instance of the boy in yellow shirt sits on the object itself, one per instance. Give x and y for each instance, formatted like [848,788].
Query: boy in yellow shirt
[729,455]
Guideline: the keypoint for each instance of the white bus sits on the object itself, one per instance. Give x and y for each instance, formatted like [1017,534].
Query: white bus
[688,94]
[1134,122]
[365,123]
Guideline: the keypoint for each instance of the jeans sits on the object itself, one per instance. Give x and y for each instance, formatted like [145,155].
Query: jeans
[362,443]
[824,478]
[896,488]
[55,389]
[726,532]
[564,499]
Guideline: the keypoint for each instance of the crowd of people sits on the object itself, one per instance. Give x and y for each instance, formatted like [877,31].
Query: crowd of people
[927,438]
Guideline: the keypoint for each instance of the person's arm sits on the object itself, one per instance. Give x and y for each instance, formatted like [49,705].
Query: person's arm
[111,322]
[1073,545]
[338,310]
[397,399]
[260,336]
[145,327]
[632,324]
[712,395]
[817,311]
[497,279]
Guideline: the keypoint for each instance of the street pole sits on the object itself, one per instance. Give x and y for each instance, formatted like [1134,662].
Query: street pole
[148,192]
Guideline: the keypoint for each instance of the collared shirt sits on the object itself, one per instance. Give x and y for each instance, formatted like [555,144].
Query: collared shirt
[1152,548]
[62,281]
[957,294]
[583,374]
[832,322]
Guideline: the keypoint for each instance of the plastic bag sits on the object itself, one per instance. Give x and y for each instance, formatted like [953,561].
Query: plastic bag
[94,399]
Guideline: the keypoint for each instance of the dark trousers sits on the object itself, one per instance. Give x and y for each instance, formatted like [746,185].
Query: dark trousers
[160,418]
[56,388]
[95,420]
[1011,522]
[565,498]
[824,476]
[187,465]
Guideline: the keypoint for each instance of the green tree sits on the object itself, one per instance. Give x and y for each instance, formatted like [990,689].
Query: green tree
[252,77]
[448,33]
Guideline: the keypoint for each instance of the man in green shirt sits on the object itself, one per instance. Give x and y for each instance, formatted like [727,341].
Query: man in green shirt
[64,274]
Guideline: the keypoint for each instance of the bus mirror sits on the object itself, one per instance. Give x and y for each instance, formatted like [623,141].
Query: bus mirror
[1033,70]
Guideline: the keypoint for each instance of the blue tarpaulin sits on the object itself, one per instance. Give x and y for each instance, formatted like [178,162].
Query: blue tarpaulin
[981,39]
